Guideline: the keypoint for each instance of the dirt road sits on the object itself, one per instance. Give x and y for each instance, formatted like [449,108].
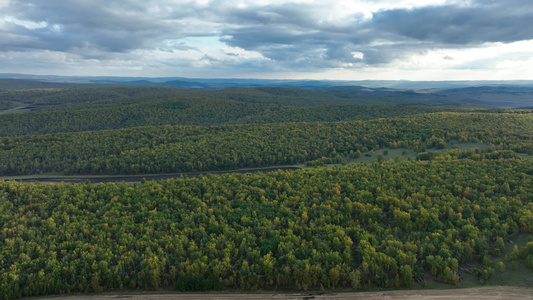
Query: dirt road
[135,178]
[490,292]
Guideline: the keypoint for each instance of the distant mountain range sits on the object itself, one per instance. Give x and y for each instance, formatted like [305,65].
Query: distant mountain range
[217,83]
[505,94]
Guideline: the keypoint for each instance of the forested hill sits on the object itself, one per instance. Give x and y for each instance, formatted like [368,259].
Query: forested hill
[171,149]
[23,84]
[382,226]
[40,111]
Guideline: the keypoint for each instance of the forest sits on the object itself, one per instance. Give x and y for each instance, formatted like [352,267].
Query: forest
[446,215]
[383,225]
[175,149]
[44,111]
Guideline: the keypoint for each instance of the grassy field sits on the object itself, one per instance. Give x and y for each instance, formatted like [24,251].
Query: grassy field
[487,292]
[409,154]
[521,275]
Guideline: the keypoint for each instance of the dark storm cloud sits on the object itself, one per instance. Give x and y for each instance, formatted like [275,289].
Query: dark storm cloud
[289,35]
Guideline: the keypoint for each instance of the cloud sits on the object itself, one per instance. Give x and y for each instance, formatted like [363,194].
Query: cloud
[109,26]
[483,21]
[268,35]
[388,35]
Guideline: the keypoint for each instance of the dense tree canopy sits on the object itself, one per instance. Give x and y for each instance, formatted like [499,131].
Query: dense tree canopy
[383,225]
[170,149]
[73,110]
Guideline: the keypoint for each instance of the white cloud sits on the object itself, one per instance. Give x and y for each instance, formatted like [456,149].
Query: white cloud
[358,55]
[25,23]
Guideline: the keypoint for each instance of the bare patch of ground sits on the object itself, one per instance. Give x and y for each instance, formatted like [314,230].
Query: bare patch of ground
[486,292]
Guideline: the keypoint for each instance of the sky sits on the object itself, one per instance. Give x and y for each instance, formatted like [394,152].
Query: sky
[276,39]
